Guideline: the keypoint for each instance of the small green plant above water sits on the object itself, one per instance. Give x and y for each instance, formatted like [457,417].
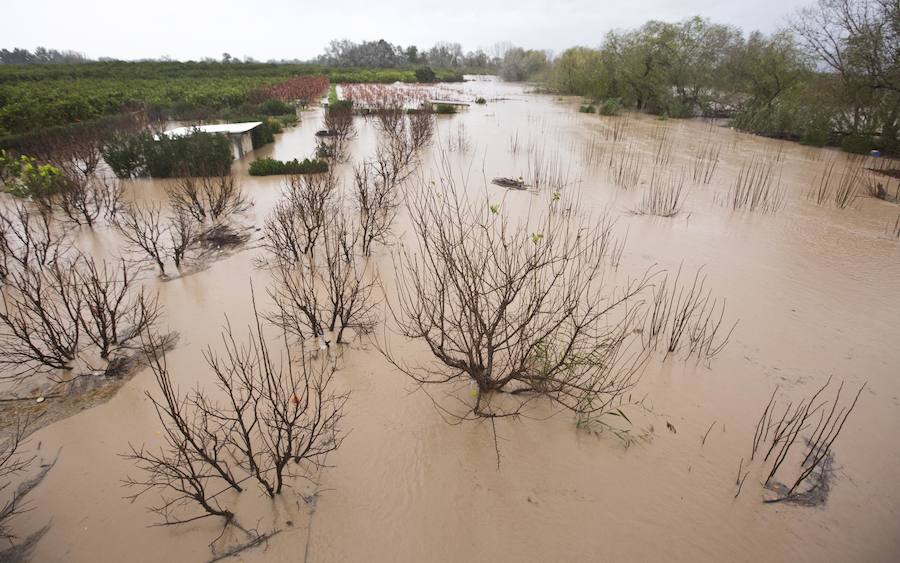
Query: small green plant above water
[25,177]
[480,101]
[587,108]
[445,109]
[332,95]
[612,106]
[271,167]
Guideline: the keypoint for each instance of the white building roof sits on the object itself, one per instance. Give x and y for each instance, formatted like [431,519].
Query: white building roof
[227,128]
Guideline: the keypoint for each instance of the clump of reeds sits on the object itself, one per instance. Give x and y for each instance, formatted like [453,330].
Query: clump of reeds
[706,159]
[663,153]
[545,169]
[458,139]
[663,196]
[686,318]
[625,166]
[591,152]
[811,471]
[617,128]
[660,133]
[514,143]
[618,249]
[840,193]
[757,187]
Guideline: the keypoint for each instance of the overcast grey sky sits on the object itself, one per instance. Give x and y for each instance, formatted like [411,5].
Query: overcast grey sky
[192,29]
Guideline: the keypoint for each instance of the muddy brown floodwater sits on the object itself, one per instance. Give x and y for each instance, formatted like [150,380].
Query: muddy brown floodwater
[815,290]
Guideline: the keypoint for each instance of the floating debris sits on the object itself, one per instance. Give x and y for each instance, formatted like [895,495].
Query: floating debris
[516,184]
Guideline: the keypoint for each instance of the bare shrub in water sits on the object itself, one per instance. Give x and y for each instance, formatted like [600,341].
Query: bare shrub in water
[812,467]
[208,197]
[757,187]
[663,197]
[278,422]
[685,317]
[513,308]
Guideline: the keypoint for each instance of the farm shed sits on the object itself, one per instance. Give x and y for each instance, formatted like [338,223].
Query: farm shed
[238,133]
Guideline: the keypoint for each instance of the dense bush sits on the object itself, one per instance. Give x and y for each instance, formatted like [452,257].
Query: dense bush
[425,74]
[612,106]
[265,133]
[271,167]
[25,177]
[275,107]
[124,154]
[859,144]
[587,108]
[480,101]
[197,154]
[445,109]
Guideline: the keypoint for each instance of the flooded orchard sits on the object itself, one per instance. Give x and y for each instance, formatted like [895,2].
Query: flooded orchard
[800,274]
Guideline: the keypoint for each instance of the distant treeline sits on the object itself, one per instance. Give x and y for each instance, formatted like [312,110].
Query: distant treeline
[832,77]
[382,54]
[40,55]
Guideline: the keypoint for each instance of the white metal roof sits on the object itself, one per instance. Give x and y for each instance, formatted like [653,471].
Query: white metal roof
[227,128]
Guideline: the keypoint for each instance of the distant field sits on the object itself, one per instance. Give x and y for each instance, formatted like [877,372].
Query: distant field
[34,97]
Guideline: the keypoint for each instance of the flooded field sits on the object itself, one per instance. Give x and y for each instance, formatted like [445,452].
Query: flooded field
[813,290]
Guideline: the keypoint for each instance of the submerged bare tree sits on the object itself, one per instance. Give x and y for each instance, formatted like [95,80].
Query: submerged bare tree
[336,294]
[39,320]
[28,239]
[348,282]
[278,422]
[148,232]
[115,311]
[377,199]
[300,216]
[517,307]
[50,314]
[207,197]
[143,228]
[86,198]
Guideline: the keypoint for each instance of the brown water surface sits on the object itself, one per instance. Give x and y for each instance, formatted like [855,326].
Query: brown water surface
[815,290]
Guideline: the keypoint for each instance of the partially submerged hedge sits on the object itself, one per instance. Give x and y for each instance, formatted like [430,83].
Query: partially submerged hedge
[271,167]
[197,154]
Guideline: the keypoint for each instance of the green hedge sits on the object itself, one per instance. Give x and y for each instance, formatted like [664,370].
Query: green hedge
[272,167]
[197,154]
